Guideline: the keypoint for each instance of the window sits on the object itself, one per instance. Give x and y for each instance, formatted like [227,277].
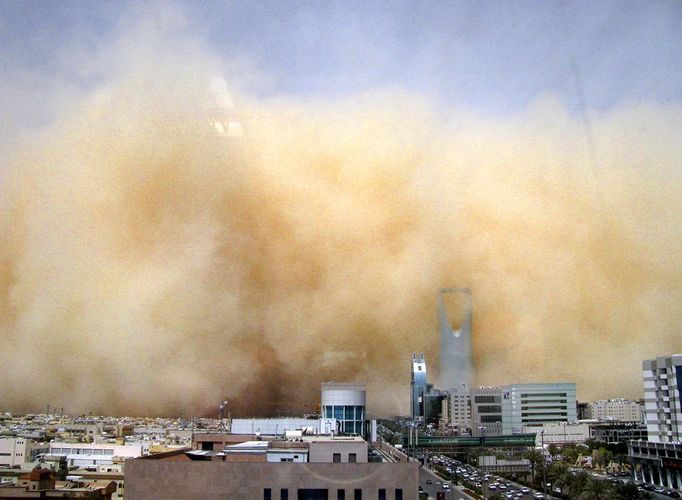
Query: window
[267,494]
[382,494]
[490,409]
[336,458]
[284,494]
[340,494]
[357,495]
[352,458]
[486,399]
[398,494]
[350,412]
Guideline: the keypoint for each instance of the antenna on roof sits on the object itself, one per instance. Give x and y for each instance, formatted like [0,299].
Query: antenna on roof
[221,413]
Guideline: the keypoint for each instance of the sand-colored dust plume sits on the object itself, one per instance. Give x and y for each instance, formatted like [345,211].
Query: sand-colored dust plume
[147,266]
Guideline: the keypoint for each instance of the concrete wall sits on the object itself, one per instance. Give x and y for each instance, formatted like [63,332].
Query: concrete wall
[173,480]
[323,451]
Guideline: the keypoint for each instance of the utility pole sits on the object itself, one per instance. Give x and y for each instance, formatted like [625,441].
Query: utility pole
[544,463]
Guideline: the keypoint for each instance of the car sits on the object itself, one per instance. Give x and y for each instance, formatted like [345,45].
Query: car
[492,487]
[538,496]
[671,493]
[428,481]
[446,487]
[525,490]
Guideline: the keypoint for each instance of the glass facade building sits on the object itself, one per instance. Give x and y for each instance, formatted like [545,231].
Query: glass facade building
[525,407]
[418,386]
[346,403]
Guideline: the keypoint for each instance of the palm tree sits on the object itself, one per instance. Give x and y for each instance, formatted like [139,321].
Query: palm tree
[578,484]
[536,457]
[559,475]
[596,489]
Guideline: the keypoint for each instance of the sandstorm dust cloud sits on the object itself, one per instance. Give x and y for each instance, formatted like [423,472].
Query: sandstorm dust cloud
[148,267]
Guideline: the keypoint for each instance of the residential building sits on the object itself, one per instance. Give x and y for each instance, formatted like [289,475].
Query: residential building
[456,409]
[93,454]
[41,483]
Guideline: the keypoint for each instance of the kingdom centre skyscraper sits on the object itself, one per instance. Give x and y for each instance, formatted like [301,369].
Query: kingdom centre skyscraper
[456,366]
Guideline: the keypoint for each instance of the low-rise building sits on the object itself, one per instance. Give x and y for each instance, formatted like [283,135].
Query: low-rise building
[94,454]
[216,479]
[41,483]
[563,433]
[18,450]
[621,410]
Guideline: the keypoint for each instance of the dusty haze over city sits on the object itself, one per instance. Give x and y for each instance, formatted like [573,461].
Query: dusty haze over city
[146,267]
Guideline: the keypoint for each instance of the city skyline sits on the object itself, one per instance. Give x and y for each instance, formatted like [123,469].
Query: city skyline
[528,153]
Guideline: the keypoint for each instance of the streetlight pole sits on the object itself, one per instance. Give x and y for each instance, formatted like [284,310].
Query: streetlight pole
[544,463]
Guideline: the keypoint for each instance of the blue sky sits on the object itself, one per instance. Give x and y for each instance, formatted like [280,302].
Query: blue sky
[491,57]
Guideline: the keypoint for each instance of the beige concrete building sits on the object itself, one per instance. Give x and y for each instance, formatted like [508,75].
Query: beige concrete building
[456,410]
[614,409]
[346,449]
[216,479]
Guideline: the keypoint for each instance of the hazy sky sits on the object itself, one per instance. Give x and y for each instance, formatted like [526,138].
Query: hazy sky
[491,57]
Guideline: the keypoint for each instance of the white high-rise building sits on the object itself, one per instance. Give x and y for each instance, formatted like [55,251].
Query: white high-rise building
[662,398]
[658,460]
